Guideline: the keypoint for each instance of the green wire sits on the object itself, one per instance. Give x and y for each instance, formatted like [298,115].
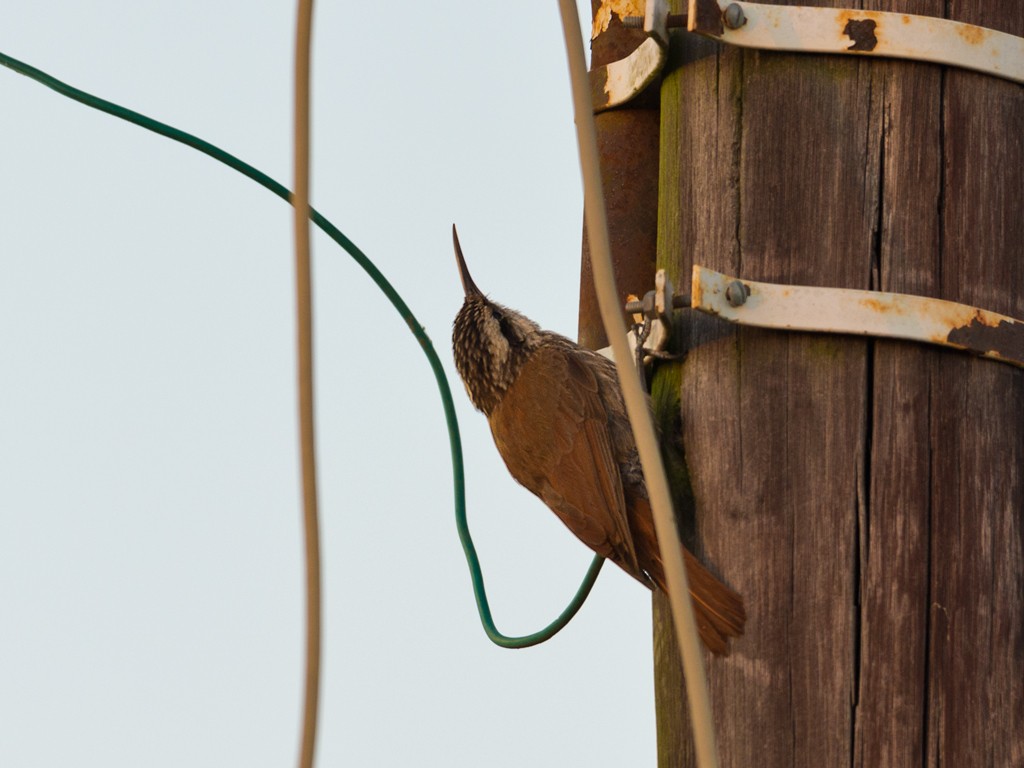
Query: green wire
[418,331]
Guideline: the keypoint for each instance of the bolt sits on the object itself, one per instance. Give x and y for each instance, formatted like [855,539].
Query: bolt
[733,16]
[644,306]
[736,293]
[679,301]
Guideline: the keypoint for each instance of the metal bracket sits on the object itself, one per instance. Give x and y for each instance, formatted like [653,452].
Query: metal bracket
[865,313]
[864,33]
[652,321]
[808,30]
[618,82]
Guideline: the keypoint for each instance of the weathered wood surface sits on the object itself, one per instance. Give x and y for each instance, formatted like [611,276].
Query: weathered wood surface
[627,141]
[864,495]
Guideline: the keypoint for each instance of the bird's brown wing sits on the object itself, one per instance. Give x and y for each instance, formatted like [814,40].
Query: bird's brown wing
[552,431]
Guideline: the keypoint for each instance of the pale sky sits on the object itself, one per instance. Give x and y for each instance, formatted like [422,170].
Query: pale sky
[151,601]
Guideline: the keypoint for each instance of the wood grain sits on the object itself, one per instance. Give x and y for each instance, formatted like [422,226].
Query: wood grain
[865,496]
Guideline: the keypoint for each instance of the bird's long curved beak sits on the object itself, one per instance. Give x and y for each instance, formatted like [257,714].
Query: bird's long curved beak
[467,281]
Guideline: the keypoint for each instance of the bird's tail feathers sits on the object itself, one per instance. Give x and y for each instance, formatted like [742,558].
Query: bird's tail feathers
[718,609]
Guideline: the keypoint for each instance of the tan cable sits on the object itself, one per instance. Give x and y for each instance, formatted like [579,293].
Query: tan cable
[636,403]
[304,331]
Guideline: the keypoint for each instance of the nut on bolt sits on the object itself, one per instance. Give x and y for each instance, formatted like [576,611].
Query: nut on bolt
[736,293]
[733,16]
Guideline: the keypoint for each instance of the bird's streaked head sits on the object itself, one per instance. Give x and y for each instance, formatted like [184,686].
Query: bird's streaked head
[490,341]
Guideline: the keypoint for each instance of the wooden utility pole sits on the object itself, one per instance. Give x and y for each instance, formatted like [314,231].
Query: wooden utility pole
[866,496]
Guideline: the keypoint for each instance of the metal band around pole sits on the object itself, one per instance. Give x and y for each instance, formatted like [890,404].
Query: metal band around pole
[863,313]
[863,33]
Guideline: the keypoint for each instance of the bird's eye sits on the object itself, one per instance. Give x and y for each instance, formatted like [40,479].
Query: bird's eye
[507,329]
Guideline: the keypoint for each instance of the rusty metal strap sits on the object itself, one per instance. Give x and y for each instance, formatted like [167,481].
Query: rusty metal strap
[808,30]
[865,313]
[862,33]
[619,81]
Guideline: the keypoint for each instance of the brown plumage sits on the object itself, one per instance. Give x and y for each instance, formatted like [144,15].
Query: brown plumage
[559,422]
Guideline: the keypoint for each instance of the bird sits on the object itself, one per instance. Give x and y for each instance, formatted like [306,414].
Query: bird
[559,422]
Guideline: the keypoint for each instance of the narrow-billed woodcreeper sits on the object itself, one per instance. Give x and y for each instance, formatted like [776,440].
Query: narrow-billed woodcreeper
[559,421]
